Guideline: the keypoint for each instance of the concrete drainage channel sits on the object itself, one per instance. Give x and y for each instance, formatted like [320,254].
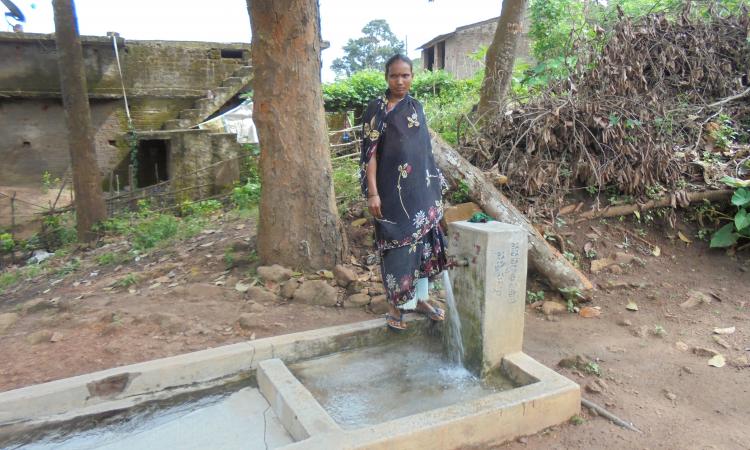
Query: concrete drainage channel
[351,386]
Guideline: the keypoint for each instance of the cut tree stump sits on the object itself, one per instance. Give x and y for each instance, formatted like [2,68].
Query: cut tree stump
[543,257]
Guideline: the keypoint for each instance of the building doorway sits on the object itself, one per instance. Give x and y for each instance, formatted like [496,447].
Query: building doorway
[152,161]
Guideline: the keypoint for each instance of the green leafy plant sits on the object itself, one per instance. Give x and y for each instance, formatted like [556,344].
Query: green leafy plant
[7,244]
[532,297]
[577,420]
[461,193]
[202,208]
[739,226]
[592,368]
[571,295]
[150,232]
[126,281]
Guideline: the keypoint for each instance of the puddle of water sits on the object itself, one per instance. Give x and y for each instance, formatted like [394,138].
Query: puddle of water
[377,384]
[235,420]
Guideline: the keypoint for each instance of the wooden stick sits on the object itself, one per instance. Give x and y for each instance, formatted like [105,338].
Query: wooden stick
[624,210]
[745,93]
[603,412]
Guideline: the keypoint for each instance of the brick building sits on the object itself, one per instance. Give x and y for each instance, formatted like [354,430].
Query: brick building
[169,86]
[451,51]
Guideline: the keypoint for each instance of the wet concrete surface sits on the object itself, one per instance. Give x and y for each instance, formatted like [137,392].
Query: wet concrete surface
[377,384]
[238,420]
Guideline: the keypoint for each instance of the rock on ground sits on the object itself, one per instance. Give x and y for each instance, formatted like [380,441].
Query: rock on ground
[260,295]
[357,300]
[343,275]
[275,273]
[551,308]
[316,292]
[289,287]
[39,336]
[251,321]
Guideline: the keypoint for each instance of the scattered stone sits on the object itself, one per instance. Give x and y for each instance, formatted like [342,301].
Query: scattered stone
[523,440]
[625,258]
[670,395]
[740,362]
[681,346]
[260,295]
[356,287]
[598,265]
[631,306]
[624,323]
[241,287]
[589,311]
[56,337]
[573,362]
[705,352]
[357,300]
[275,273]
[613,285]
[616,349]
[343,275]
[359,222]
[550,308]
[316,292]
[289,287]
[687,370]
[729,330]
[719,340]
[39,336]
[615,270]
[379,304]
[7,320]
[253,307]
[251,321]
[594,388]
[695,298]
[717,361]
[376,289]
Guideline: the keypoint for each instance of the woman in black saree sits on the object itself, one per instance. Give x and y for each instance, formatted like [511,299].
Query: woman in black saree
[404,190]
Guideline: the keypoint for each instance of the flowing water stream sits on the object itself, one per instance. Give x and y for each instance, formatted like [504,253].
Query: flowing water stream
[454,345]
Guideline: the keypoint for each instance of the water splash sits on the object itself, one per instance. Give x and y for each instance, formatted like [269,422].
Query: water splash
[454,345]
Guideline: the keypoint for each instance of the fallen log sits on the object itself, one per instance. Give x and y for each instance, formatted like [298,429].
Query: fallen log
[624,210]
[543,257]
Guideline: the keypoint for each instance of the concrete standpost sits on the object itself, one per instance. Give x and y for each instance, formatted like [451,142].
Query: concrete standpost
[490,290]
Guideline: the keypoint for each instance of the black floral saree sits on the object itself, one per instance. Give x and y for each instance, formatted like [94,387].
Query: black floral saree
[408,236]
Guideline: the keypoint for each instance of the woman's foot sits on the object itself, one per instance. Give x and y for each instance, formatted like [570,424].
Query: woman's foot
[394,319]
[433,312]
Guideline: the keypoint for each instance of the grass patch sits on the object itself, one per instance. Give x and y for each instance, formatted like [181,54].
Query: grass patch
[346,182]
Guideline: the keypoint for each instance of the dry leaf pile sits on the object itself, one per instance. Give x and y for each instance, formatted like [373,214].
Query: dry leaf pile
[632,106]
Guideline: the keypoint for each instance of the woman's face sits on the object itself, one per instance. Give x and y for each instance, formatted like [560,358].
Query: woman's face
[399,78]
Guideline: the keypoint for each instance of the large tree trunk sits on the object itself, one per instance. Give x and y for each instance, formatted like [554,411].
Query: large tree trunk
[299,224]
[89,203]
[544,258]
[501,56]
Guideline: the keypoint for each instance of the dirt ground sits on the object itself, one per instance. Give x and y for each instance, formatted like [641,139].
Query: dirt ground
[186,300]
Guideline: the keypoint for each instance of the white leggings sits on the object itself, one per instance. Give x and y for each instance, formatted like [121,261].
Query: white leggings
[420,293]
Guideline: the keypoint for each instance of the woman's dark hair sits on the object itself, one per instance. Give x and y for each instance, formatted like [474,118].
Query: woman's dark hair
[393,59]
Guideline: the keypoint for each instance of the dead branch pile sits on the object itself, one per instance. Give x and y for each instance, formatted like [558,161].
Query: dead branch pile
[624,117]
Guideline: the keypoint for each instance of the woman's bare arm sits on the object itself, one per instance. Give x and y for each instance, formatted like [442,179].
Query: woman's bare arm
[373,199]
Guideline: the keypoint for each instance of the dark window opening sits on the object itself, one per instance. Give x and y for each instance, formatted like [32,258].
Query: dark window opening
[231,53]
[26,144]
[153,157]
[112,143]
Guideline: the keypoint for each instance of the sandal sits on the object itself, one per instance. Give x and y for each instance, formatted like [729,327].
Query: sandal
[435,313]
[395,323]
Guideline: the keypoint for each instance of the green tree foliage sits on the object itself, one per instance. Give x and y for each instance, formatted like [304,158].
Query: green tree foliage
[370,51]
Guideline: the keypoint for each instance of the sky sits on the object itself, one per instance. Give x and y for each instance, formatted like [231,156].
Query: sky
[416,21]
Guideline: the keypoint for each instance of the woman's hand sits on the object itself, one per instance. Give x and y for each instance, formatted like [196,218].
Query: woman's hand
[373,204]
